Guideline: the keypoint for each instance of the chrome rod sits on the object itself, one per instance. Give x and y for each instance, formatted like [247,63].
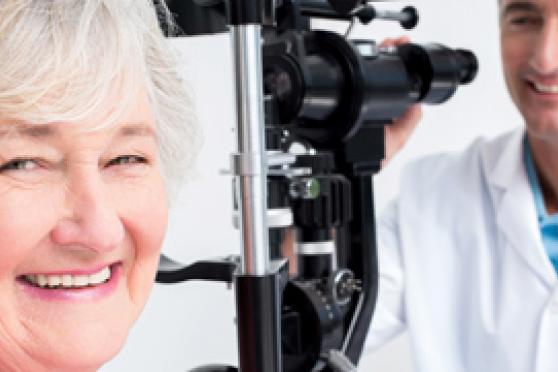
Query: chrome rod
[250,162]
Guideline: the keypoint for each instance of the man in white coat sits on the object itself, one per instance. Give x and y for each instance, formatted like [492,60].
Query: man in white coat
[469,251]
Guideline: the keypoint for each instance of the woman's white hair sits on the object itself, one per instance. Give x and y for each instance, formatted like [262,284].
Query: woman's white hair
[60,60]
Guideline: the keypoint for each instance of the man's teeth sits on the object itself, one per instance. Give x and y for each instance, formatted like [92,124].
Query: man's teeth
[69,281]
[546,88]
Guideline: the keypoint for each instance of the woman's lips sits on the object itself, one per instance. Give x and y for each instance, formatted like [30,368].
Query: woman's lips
[58,288]
[88,271]
[68,280]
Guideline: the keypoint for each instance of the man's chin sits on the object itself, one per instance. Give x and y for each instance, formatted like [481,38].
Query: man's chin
[543,125]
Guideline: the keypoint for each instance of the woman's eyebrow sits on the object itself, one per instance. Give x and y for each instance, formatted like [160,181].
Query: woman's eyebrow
[27,130]
[137,129]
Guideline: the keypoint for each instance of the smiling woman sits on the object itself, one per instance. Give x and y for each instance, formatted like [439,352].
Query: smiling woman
[95,130]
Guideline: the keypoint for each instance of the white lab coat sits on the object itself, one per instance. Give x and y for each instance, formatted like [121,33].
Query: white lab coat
[463,268]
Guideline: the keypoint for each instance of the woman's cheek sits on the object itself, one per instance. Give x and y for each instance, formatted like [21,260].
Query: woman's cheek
[26,217]
[143,206]
[144,212]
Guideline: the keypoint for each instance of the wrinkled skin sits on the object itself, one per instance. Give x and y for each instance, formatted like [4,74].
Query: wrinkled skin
[72,200]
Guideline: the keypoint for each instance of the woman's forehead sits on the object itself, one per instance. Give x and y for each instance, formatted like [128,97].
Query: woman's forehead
[134,120]
[50,130]
[116,107]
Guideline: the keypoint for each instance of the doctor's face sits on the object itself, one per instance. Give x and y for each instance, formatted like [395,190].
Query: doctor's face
[82,218]
[529,41]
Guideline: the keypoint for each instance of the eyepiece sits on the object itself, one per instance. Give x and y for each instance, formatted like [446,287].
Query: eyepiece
[437,70]
[469,65]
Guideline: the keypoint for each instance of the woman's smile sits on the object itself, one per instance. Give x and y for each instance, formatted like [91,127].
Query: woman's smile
[77,284]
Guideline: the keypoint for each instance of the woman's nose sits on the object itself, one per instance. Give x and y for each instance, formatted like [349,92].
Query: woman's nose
[90,220]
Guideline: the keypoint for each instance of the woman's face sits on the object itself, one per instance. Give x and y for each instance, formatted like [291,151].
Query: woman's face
[82,219]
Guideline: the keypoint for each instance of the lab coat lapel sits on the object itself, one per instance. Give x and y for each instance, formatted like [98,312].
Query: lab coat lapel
[515,207]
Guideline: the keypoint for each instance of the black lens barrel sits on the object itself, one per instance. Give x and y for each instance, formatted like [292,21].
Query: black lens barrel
[438,70]
[335,85]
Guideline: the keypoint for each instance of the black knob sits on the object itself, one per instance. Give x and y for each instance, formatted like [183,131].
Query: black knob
[412,18]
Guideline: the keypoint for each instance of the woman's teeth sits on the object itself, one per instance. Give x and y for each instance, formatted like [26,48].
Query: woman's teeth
[69,281]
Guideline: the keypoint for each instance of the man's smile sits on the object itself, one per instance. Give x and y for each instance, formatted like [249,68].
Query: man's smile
[545,88]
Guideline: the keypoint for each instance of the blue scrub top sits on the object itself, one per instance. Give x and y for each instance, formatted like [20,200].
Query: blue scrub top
[548,224]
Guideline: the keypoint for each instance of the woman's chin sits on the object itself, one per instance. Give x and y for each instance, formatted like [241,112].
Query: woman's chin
[80,338]
[88,350]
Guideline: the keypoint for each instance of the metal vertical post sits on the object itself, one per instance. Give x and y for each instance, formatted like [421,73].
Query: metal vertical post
[250,162]
[257,284]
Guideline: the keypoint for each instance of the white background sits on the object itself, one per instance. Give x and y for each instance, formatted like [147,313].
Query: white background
[191,324]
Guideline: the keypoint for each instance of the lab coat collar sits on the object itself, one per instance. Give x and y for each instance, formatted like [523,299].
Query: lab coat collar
[504,162]
[516,215]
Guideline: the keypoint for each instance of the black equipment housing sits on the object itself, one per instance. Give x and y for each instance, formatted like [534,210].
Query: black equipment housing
[334,97]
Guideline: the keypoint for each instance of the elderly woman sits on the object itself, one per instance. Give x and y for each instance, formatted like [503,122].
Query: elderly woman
[94,129]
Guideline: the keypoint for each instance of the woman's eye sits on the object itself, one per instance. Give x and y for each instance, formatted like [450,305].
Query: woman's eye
[19,165]
[127,159]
